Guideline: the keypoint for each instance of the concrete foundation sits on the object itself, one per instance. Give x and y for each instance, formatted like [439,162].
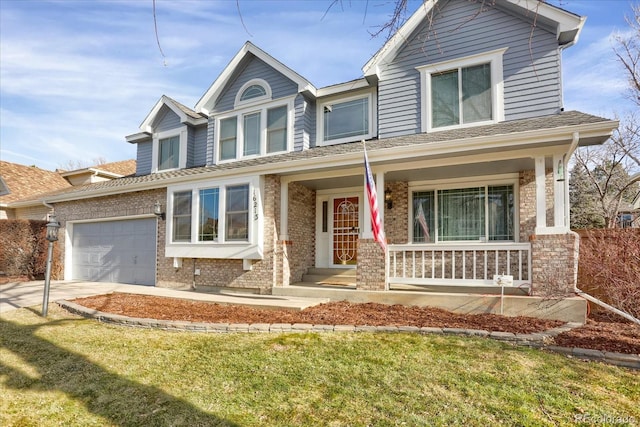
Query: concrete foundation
[569,309]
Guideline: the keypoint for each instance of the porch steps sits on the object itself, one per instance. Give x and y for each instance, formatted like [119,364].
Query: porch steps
[343,277]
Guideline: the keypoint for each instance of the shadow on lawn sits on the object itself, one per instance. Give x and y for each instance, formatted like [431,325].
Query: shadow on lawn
[118,400]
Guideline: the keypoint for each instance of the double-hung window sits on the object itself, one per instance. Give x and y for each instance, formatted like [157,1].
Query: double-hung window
[462,92]
[169,153]
[169,149]
[483,213]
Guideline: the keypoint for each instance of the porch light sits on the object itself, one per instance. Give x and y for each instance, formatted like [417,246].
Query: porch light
[157,210]
[387,198]
[560,171]
[52,236]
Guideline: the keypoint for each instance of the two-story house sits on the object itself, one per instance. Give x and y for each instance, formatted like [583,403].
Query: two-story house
[261,185]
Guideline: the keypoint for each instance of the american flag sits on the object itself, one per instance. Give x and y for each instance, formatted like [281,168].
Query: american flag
[372,195]
[423,223]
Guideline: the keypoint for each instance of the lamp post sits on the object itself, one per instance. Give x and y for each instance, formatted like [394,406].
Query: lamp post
[52,236]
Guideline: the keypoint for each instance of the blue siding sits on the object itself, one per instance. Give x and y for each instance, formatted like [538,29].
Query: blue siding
[191,137]
[304,124]
[166,120]
[532,85]
[143,158]
[199,146]
[211,146]
[281,86]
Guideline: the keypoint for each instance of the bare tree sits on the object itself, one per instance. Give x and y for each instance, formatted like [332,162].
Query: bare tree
[71,165]
[612,170]
[627,49]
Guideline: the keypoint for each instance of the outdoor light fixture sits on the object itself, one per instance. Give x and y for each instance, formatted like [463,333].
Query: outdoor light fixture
[52,229]
[52,236]
[387,198]
[157,210]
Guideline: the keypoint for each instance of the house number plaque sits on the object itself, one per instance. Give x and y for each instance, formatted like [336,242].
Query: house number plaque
[255,206]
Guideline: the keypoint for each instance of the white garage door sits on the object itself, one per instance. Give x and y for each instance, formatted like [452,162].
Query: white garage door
[115,251]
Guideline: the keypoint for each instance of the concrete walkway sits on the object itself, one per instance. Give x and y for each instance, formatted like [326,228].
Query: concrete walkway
[28,294]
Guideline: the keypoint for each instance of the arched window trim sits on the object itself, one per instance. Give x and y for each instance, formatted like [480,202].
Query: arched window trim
[247,85]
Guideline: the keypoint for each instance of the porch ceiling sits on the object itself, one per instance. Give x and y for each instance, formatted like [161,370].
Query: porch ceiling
[466,168]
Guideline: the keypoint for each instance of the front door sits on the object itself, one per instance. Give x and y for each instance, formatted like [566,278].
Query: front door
[346,229]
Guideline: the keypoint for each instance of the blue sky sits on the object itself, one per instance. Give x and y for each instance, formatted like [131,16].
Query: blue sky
[76,76]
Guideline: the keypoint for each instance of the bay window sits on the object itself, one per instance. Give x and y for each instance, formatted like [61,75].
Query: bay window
[217,219]
[483,213]
[219,211]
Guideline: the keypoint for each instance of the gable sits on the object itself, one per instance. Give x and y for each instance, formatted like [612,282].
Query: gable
[255,68]
[165,120]
[212,97]
[565,26]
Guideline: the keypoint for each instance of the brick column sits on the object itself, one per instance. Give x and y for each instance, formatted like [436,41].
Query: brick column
[554,261]
[371,268]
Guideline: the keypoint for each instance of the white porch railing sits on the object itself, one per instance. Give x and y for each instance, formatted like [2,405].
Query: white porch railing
[459,264]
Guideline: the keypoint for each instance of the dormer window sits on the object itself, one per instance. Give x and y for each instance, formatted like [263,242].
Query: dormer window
[462,92]
[169,150]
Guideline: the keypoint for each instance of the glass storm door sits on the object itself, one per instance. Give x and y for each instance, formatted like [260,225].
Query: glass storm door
[345,230]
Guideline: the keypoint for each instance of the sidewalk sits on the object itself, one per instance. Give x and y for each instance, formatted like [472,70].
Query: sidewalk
[28,294]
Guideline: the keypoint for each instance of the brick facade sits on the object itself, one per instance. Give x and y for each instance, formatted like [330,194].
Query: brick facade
[554,264]
[396,218]
[371,268]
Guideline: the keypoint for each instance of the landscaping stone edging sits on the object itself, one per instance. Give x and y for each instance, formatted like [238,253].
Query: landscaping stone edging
[541,340]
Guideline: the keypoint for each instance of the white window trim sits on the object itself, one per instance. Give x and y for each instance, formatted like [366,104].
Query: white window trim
[155,147]
[262,109]
[460,183]
[373,118]
[259,99]
[494,58]
[252,248]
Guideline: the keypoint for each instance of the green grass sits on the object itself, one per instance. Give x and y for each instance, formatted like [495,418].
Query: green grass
[75,372]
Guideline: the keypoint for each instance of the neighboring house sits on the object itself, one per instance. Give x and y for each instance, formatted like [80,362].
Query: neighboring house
[261,185]
[99,173]
[20,182]
[629,214]
[22,187]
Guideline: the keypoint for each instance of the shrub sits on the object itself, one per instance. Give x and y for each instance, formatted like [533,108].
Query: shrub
[609,267]
[24,249]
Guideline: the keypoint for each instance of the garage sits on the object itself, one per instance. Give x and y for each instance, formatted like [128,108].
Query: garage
[115,251]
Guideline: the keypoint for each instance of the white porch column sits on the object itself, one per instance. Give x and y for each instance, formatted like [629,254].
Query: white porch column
[284,209]
[560,197]
[541,202]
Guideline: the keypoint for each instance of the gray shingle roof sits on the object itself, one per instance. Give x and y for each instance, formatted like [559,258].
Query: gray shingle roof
[158,180]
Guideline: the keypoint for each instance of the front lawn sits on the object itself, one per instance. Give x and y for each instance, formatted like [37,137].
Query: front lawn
[70,371]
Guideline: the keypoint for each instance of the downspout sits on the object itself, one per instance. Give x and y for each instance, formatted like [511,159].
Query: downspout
[607,306]
[567,205]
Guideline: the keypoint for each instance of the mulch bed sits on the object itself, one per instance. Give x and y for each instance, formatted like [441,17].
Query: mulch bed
[600,333]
